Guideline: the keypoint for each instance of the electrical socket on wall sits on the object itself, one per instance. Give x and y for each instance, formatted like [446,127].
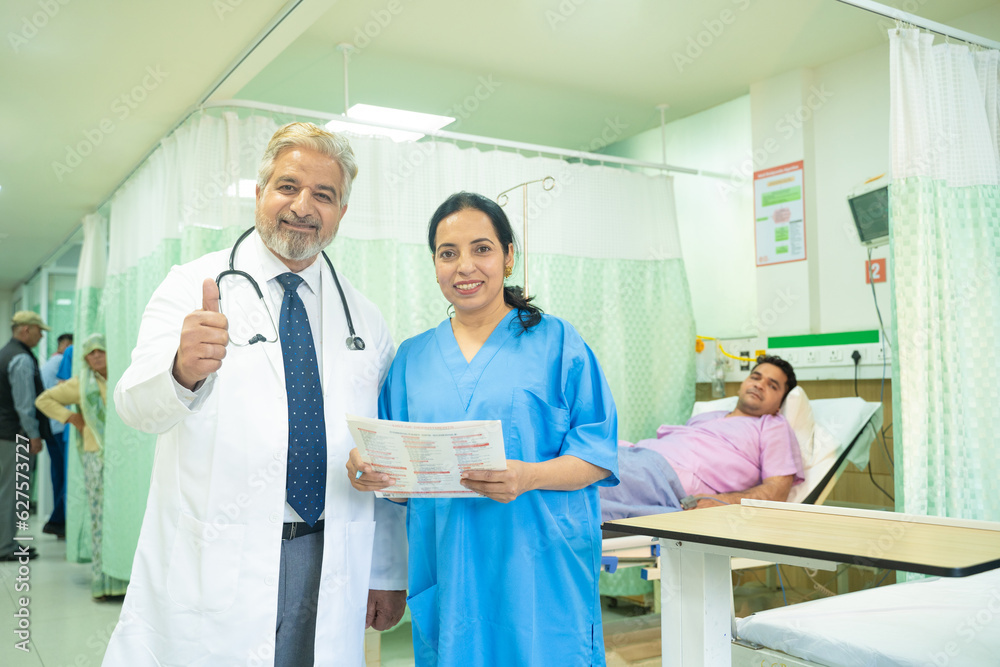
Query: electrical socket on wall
[745,365]
[812,357]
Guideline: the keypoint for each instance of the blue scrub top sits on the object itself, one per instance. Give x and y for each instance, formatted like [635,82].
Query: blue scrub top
[516,583]
[66,365]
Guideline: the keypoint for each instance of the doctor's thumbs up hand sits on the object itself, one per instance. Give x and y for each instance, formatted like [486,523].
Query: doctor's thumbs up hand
[204,336]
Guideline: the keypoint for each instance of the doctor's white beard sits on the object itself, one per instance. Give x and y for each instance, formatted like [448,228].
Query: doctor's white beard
[293,246]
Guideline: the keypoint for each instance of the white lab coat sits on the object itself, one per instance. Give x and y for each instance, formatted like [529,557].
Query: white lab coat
[204,583]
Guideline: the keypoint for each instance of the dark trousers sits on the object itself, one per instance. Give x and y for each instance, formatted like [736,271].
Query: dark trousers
[8,496]
[56,444]
[298,593]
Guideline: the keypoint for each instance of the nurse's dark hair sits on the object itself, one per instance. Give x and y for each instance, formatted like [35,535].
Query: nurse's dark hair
[528,314]
[785,367]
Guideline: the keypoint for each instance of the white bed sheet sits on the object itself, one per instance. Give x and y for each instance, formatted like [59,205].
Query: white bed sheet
[947,621]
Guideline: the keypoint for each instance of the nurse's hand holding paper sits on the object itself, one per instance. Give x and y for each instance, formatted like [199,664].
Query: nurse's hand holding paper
[561,474]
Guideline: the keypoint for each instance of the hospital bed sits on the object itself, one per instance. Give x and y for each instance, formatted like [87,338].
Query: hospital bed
[944,622]
[831,433]
[953,622]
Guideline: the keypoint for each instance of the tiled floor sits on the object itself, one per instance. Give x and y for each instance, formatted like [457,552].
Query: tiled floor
[68,629]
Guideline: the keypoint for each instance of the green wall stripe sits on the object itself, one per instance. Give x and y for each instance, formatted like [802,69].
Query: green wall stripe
[843,338]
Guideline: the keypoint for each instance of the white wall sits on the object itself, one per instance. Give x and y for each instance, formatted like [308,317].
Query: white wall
[851,145]
[712,215]
[843,139]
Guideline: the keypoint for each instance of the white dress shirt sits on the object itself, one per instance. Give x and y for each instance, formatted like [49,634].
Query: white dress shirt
[274,294]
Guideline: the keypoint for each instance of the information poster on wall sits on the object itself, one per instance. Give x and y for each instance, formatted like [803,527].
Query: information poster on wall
[780,214]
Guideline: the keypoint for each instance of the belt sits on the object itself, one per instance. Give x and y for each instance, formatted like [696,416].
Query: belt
[290,531]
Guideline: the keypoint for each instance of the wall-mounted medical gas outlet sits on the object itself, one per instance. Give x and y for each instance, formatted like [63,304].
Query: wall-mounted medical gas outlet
[813,356]
[833,355]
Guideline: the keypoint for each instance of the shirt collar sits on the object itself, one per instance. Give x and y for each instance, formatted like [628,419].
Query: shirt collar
[272,267]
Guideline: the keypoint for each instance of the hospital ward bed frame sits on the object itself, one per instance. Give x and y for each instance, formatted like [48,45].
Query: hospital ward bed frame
[698,626]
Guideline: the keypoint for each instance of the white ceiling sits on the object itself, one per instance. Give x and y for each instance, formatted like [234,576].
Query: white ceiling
[111,77]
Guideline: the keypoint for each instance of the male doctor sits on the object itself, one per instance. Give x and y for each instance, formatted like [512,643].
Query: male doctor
[251,552]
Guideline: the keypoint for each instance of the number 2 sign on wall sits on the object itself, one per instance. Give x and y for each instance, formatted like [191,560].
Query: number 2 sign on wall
[875,271]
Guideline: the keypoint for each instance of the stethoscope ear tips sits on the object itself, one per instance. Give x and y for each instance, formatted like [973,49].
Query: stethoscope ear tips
[355,343]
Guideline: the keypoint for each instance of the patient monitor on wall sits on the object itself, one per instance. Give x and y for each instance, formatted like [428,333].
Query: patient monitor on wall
[869,205]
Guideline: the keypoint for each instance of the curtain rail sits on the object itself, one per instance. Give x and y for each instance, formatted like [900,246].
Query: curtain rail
[921,22]
[469,138]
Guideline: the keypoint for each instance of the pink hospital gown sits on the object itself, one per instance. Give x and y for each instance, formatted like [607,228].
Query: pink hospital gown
[713,453]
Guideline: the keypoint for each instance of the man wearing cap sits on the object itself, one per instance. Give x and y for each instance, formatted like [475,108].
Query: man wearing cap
[20,384]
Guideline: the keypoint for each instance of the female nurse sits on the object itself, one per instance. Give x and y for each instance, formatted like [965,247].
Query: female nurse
[509,578]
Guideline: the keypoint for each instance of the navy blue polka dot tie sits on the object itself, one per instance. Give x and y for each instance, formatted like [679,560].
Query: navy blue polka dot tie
[306,478]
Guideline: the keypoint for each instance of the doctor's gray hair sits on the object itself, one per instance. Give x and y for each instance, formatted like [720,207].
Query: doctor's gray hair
[308,135]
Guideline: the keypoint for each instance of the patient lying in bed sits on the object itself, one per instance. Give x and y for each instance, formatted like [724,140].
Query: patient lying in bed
[717,457]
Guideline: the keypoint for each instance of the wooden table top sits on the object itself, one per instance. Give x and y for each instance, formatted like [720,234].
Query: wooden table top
[896,542]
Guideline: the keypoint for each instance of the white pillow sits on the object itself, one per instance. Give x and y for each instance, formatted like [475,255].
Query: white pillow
[796,410]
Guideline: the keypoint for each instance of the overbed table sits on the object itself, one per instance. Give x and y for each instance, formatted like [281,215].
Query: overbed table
[697,620]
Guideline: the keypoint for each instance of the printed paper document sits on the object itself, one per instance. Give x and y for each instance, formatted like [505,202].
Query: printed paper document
[427,460]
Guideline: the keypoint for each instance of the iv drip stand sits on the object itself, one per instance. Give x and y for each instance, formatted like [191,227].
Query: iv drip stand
[547,184]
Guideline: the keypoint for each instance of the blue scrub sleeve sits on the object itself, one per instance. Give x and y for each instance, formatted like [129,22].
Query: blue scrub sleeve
[66,365]
[387,408]
[593,434]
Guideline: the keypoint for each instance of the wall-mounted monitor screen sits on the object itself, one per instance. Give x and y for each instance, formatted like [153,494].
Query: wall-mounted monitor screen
[871,216]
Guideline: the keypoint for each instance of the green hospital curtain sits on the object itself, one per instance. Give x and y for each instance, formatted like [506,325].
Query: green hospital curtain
[89,319]
[945,258]
[603,254]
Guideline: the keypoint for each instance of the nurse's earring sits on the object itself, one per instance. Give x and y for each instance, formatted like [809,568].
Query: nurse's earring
[507,271]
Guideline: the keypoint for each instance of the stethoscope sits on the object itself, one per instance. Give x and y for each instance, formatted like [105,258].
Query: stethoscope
[354,341]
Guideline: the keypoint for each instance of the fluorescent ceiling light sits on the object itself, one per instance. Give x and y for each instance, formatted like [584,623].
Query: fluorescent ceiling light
[366,112]
[246,189]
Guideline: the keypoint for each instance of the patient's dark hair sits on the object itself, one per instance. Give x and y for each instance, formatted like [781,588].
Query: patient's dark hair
[785,367]
[527,313]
